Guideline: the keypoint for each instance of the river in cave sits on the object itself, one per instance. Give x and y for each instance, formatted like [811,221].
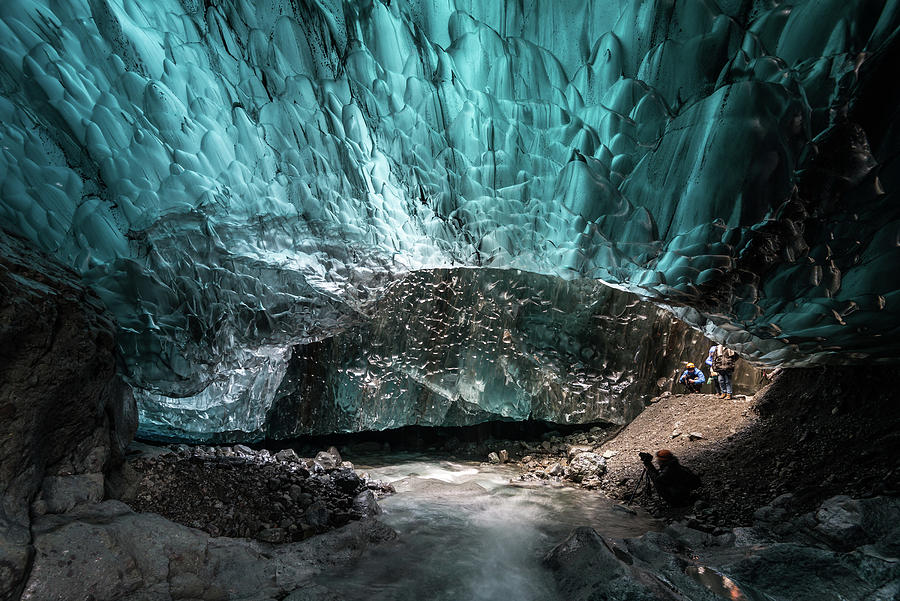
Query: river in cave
[467,532]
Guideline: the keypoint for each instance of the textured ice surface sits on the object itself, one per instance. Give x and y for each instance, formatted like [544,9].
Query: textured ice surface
[238,177]
[462,346]
[452,347]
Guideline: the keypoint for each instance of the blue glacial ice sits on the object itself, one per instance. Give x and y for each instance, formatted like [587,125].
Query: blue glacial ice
[237,179]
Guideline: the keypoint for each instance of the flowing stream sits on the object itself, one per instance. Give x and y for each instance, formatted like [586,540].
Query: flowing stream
[467,533]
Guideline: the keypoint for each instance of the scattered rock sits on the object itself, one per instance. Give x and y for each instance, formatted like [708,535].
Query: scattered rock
[272,535]
[585,465]
[504,456]
[288,455]
[327,460]
[240,449]
[575,449]
[493,457]
[695,436]
[366,505]
[555,470]
[249,492]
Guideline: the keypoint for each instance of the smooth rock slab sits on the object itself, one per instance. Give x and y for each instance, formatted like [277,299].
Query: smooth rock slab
[106,552]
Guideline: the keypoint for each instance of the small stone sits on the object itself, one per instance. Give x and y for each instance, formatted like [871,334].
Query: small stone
[504,456]
[555,470]
[242,450]
[577,449]
[695,436]
[272,535]
[317,515]
[493,457]
[334,453]
[609,454]
[326,460]
[287,456]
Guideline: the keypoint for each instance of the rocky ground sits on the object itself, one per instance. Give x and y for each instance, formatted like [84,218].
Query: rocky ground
[240,492]
[813,433]
[845,550]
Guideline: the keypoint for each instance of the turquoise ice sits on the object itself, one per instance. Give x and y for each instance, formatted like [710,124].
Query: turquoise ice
[236,178]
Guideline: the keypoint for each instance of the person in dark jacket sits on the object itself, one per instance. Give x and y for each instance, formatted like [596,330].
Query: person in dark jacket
[692,378]
[674,482]
[724,361]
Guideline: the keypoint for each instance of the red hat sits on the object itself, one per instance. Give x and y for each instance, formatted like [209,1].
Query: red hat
[665,454]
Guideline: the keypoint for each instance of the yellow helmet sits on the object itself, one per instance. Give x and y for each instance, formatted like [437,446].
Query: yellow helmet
[691,366]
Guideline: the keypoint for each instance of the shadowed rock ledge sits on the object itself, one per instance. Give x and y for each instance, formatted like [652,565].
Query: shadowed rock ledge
[65,416]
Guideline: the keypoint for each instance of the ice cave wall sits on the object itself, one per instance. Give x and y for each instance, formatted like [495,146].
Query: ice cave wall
[235,178]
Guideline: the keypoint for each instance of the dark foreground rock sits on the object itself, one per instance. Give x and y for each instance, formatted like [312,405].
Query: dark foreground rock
[65,416]
[847,550]
[106,552]
[240,492]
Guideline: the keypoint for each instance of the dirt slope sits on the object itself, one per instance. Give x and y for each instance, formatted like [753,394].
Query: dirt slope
[813,433]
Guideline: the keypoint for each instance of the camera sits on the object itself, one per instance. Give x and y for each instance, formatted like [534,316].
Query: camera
[645,457]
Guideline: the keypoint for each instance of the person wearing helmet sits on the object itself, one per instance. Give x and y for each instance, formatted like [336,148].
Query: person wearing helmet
[674,482]
[692,378]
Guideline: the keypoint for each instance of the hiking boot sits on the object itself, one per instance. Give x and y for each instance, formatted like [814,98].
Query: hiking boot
[728,396]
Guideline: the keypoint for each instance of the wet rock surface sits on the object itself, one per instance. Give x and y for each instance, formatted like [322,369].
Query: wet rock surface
[241,492]
[809,558]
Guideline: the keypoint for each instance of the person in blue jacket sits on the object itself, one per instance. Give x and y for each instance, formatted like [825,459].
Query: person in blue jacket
[692,378]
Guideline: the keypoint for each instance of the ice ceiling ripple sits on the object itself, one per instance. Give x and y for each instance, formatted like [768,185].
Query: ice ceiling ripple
[238,177]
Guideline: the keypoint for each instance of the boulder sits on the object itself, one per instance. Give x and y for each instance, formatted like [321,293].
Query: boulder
[327,460]
[847,523]
[334,453]
[587,567]
[493,457]
[586,465]
[365,504]
[555,470]
[346,480]
[287,456]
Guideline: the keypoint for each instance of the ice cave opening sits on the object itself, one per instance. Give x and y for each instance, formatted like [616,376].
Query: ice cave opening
[269,238]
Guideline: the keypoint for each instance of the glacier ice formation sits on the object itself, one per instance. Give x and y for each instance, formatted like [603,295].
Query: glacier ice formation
[236,178]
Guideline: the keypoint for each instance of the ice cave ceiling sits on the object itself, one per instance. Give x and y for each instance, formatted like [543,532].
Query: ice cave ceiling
[236,178]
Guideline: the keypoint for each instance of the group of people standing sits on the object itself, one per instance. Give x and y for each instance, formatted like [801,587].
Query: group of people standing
[721,361]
